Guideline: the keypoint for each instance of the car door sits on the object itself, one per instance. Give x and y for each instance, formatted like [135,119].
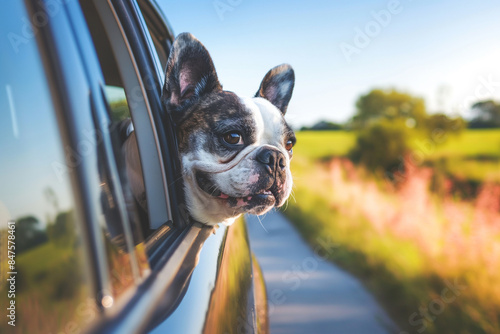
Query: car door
[143,264]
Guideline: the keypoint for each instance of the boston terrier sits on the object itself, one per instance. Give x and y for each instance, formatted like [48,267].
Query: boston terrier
[235,151]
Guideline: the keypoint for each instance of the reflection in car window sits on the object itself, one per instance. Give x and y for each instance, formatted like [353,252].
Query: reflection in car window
[130,171]
[51,286]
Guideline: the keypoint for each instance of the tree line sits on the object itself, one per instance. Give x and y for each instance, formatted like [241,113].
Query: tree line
[380,104]
[387,121]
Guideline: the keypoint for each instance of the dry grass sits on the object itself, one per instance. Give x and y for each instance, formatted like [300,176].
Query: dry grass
[407,242]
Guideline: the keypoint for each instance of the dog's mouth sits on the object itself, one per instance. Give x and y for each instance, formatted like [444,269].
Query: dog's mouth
[264,197]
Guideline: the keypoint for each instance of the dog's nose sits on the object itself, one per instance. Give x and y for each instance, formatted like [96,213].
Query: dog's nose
[273,159]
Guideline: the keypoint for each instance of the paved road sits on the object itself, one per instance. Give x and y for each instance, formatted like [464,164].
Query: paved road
[307,294]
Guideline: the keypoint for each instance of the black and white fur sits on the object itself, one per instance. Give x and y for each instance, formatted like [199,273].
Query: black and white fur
[223,180]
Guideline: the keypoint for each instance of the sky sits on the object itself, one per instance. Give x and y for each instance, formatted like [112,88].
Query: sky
[30,138]
[447,52]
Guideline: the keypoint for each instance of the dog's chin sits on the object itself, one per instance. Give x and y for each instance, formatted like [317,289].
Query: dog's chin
[257,203]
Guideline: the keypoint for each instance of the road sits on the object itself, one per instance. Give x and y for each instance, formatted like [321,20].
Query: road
[307,294]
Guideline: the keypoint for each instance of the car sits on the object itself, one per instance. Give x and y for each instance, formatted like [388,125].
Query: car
[80,253]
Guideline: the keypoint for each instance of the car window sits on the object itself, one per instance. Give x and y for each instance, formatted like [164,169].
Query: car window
[48,289]
[126,114]
[138,156]
[158,38]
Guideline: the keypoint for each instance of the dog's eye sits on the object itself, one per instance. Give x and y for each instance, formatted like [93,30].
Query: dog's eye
[289,146]
[233,138]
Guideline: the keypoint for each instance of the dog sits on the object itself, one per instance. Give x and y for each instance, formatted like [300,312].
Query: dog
[235,151]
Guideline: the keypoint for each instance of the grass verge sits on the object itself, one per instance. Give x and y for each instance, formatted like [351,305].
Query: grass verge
[415,280]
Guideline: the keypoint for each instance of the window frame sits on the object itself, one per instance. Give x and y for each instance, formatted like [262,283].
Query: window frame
[159,207]
[147,62]
[143,49]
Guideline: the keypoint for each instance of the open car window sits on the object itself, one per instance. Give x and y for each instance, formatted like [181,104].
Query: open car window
[135,141]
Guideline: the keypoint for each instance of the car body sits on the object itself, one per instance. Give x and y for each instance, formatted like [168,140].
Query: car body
[88,256]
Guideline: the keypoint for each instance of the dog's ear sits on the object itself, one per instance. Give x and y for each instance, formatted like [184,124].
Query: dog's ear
[190,74]
[277,86]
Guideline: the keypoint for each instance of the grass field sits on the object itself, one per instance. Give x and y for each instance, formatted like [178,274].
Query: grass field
[324,144]
[470,143]
[431,259]
[49,288]
[474,154]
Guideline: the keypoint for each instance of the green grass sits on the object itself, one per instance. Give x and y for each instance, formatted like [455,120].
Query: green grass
[473,154]
[471,143]
[42,259]
[49,288]
[323,144]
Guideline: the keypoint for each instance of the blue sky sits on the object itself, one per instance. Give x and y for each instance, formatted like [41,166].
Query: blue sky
[444,51]
[30,136]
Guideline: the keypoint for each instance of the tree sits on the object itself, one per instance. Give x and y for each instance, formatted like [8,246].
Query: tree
[323,125]
[388,120]
[445,123]
[381,146]
[391,104]
[62,232]
[29,233]
[486,115]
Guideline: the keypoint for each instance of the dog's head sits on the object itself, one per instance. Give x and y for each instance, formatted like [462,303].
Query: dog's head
[235,151]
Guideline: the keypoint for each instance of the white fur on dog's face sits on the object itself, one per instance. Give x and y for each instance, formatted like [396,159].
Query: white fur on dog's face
[223,178]
[240,177]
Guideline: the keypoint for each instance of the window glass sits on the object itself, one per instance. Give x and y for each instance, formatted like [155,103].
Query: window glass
[129,168]
[51,290]
[120,71]
[159,35]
